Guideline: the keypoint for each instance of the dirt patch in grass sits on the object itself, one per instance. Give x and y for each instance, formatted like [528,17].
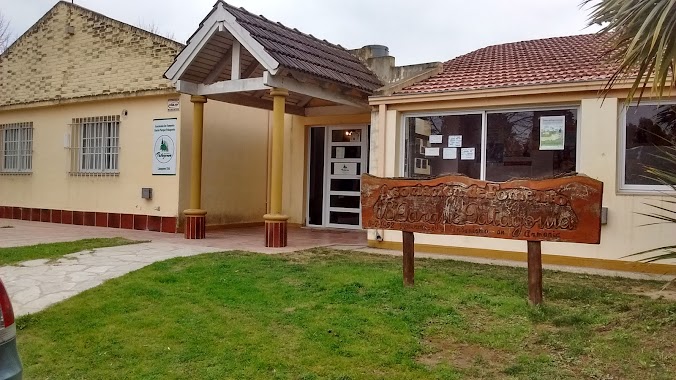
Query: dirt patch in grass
[460,355]
[666,292]
[669,295]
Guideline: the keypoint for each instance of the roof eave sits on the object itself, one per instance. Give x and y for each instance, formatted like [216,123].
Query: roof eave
[515,90]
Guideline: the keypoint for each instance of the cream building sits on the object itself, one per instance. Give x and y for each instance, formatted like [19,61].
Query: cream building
[493,100]
[275,127]
[79,97]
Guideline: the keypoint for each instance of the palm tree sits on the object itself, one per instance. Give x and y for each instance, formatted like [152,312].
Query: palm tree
[642,34]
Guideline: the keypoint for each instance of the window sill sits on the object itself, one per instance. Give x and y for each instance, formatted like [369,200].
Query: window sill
[93,174]
[17,173]
[666,192]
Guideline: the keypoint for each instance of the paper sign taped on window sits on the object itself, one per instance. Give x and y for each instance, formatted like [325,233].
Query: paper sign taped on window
[455,141]
[450,153]
[436,139]
[552,132]
[432,152]
[467,154]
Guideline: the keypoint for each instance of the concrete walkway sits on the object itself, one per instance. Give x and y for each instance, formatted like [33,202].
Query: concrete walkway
[37,284]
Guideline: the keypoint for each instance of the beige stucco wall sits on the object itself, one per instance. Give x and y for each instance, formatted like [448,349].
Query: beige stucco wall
[50,185]
[599,126]
[234,163]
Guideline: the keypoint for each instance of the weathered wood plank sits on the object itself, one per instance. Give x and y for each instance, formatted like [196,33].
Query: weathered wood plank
[408,260]
[535,272]
[564,209]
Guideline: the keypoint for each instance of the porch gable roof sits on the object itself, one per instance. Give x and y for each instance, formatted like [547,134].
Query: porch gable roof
[236,56]
[295,50]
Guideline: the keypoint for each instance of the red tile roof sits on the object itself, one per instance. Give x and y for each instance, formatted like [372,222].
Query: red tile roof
[302,52]
[550,60]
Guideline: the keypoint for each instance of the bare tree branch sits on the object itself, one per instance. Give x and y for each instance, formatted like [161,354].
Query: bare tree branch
[153,28]
[6,36]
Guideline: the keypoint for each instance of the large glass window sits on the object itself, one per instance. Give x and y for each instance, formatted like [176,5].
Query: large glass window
[649,131]
[16,148]
[516,144]
[433,140]
[95,145]
[530,144]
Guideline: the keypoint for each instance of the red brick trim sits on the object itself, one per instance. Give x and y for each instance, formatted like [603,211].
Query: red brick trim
[275,233]
[91,218]
[195,227]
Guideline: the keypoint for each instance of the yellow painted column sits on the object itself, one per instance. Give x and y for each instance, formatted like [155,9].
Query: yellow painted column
[276,221]
[195,223]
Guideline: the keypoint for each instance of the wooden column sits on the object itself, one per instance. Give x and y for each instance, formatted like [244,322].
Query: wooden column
[275,221]
[409,253]
[195,217]
[535,272]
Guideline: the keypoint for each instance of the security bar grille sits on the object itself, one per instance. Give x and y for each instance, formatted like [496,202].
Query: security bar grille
[95,146]
[16,148]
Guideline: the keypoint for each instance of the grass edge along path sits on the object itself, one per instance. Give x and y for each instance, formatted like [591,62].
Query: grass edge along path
[326,314]
[53,251]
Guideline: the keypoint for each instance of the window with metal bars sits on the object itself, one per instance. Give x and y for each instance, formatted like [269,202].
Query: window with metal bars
[95,145]
[16,148]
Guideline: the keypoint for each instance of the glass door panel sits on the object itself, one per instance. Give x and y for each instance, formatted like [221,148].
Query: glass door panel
[345,162]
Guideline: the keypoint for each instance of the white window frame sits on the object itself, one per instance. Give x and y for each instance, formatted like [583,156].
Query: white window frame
[622,186]
[484,128]
[23,152]
[97,155]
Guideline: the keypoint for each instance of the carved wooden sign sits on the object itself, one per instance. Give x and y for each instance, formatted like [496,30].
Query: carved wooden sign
[564,209]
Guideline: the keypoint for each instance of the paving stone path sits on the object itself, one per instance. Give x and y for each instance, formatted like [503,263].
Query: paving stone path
[37,284]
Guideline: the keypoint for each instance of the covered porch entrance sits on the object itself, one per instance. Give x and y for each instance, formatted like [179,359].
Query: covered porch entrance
[240,58]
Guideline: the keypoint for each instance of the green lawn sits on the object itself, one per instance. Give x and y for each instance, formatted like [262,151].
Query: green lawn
[323,314]
[14,255]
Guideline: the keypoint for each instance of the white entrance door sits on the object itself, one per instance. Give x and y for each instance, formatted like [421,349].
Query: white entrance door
[345,160]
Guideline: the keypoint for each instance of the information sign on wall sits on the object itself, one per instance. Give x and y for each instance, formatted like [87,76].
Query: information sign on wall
[164,147]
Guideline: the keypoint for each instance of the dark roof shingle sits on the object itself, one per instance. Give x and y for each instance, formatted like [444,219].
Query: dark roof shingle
[551,60]
[298,51]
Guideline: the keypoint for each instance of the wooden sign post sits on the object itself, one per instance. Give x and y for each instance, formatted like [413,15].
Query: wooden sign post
[564,209]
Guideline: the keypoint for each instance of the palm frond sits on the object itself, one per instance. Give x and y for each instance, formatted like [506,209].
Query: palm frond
[643,38]
[669,253]
[660,208]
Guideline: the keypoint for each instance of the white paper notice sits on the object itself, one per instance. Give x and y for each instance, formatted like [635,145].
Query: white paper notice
[345,168]
[552,132]
[454,141]
[450,153]
[340,152]
[436,139]
[467,153]
[432,152]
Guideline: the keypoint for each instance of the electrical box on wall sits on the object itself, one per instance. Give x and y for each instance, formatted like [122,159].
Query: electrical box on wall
[147,193]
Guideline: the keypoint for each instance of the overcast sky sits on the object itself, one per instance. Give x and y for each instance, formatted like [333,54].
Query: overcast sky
[415,30]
